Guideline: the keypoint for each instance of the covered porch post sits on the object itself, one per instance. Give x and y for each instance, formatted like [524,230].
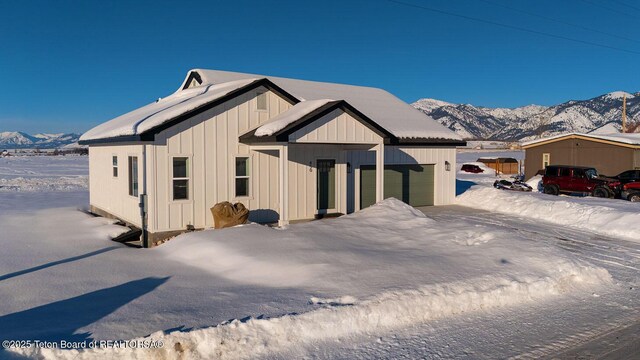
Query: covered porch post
[283,185]
[379,172]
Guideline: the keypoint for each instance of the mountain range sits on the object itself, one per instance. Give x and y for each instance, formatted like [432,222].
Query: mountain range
[601,114]
[21,140]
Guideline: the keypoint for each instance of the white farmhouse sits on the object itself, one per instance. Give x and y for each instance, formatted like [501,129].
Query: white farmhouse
[287,149]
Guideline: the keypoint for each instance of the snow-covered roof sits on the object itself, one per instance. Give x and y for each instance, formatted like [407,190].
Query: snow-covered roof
[157,113]
[282,120]
[386,110]
[623,138]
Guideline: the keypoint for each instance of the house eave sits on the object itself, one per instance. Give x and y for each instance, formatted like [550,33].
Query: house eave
[149,135]
[116,139]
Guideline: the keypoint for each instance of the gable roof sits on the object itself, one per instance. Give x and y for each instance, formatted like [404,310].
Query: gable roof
[304,113]
[144,122]
[385,111]
[393,114]
[631,140]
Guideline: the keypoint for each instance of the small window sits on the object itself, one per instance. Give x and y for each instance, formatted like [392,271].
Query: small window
[180,178]
[546,160]
[261,101]
[565,172]
[114,164]
[242,176]
[133,176]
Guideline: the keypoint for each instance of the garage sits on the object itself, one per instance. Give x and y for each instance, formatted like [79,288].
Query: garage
[412,184]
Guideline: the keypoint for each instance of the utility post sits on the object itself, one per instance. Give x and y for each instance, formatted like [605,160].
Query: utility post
[624,113]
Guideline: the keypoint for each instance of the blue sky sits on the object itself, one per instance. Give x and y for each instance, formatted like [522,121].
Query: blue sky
[69,65]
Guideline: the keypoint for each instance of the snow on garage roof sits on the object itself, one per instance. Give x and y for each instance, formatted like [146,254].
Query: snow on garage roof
[391,113]
[623,138]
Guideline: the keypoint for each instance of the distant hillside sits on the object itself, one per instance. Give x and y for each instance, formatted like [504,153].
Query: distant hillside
[21,140]
[532,121]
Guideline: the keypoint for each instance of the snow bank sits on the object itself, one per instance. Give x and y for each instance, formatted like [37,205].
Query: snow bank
[615,218]
[535,183]
[248,338]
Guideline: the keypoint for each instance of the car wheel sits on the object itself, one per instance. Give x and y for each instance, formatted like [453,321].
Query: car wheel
[601,192]
[551,189]
[635,197]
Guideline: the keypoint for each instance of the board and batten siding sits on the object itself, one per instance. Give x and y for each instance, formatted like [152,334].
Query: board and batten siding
[327,138]
[109,193]
[210,141]
[336,127]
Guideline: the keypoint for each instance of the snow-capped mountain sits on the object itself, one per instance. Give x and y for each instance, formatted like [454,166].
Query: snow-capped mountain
[532,121]
[21,140]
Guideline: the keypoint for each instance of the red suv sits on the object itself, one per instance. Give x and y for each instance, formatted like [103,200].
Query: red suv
[577,179]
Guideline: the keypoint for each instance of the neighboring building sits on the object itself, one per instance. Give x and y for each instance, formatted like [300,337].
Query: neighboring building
[287,149]
[610,154]
[504,165]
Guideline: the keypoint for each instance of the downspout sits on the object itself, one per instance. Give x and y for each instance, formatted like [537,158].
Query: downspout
[143,200]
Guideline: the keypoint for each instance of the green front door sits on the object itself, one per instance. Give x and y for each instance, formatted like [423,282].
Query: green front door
[326,193]
[412,184]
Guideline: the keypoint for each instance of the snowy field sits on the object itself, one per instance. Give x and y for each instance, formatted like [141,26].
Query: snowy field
[387,282]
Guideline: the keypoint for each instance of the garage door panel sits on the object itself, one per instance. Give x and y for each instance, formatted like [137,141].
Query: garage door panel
[413,184]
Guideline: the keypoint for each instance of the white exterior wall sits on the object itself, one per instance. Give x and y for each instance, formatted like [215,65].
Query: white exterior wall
[316,141]
[337,127]
[210,141]
[111,194]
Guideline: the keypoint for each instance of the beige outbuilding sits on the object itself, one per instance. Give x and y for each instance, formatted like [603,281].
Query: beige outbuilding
[610,154]
[287,149]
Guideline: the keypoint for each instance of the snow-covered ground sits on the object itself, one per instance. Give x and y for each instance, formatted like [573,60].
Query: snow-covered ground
[387,282]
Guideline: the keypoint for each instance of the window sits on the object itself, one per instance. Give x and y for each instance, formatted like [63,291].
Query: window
[242,176]
[114,164]
[546,160]
[261,101]
[180,178]
[133,176]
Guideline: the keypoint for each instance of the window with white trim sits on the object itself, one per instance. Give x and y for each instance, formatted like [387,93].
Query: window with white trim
[114,165]
[546,160]
[133,176]
[180,177]
[261,101]
[242,176]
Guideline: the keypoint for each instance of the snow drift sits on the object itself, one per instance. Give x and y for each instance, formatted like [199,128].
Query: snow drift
[388,266]
[615,218]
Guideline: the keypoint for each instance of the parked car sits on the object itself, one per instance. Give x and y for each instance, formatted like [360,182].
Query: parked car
[577,179]
[628,176]
[470,168]
[631,191]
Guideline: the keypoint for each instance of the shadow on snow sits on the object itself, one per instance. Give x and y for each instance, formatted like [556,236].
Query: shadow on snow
[61,319]
[463,185]
[58,262]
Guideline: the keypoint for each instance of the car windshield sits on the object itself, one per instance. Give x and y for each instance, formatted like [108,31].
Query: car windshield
[591,173]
